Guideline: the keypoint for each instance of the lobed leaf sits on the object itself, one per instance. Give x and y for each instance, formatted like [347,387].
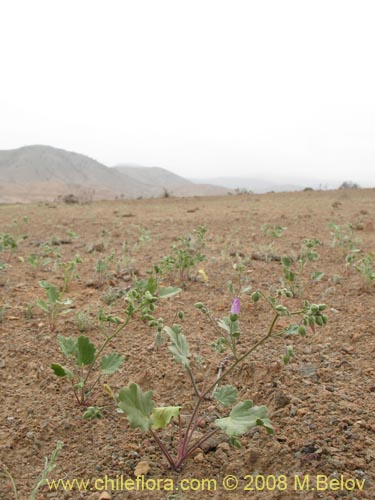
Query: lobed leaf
[180,346]
[61,371]
[111,363]
[137,405]
[162,416]
[226,395]
[68,345]
[244,416]
[85,351]
[168,291]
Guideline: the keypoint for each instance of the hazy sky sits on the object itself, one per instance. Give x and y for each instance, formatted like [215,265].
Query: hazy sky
[202,87]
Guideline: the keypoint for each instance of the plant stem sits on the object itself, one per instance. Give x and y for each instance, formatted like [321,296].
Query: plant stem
[199,442]
[106,342]
[244,356]
[197,393]
[10,477]
[164,450]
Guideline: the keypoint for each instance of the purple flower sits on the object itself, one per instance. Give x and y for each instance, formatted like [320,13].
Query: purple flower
[235,309]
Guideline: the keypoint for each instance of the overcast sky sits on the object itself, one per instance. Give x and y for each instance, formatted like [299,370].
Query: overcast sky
[202,87]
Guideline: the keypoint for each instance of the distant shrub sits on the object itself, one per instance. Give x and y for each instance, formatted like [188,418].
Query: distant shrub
[308,189]
[349,185]
[70,199]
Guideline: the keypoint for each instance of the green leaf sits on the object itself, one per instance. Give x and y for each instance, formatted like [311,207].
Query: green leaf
[286,261]
[244,416]
[289,275]
[68,345]
[43,305]
[92,412]
[111,363]
[61,371]
[225,324]
[317,276]
[137,405]
[226,395]
[180,346]
[162,416]
[151,285]
[85,351]
[235,442]
[168,291]
[53,294]
[288,354]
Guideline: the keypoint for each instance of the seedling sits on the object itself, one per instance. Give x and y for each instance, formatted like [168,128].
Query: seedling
[272,230]
[69,271]
[142,413]
[49,465]
[54,305]
[84,357]
[8,245]
[343,237]
[293,269]
[365,267]
[186,253]
[87,360]
[102,269]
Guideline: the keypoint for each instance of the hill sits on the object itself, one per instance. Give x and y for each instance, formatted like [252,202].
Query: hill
[33,173]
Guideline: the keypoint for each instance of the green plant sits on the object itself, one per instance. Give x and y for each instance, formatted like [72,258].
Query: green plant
[87,360]
[28,311]
[103,269]
[69,271]
[293,269]
[343,237]
[83,320]
[237,416]
[186,253]
[49,465]
[84,357]
[365,267]
[272,230]
[54,305]
[8,245]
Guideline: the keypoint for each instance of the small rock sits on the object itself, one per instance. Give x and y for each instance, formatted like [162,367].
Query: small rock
[281,400]
[142,468]
[199,458]
[95,247]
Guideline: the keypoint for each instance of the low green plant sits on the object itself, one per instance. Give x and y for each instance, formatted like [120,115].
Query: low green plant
[8,245]
[240,285]
[236,417]
[272,230]
[84,357]
[365,267]
[103,269]
[83,320]
[54,305]
[49,465]
[69,271]
[293,269]
[89,363]
[186,254]
[343,237]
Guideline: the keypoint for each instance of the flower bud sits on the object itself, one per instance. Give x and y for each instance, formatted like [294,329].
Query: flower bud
[235,309]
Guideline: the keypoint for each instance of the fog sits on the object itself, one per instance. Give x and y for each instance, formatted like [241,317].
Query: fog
[203,88]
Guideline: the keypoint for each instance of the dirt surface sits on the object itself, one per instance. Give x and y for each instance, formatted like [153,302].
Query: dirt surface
[321,404]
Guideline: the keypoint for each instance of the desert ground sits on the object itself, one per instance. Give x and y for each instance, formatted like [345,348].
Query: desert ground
[321,404]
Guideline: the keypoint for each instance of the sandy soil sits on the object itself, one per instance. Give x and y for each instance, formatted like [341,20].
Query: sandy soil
[321,404]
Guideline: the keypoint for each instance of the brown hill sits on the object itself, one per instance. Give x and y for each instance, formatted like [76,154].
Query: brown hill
[34,173]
